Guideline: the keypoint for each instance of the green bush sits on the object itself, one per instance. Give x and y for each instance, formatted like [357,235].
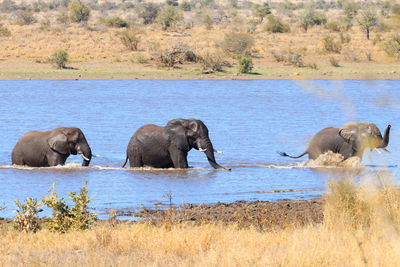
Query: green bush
[169,16]
[26,218]
[59,58]
[116,22]
[275,25]
[245,64]
[25,17]
[130,39]
[330,45]
[64,218]
[237,43]
[78,12]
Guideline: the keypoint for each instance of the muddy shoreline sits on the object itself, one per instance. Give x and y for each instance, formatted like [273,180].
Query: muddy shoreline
[265,214]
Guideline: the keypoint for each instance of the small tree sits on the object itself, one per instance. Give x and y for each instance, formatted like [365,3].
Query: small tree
[25,17]
[310,18]
[262,12]
[148,12]
[237,43]
[245,64]
[367,19]
[169,16]
[78,12]
[59,58]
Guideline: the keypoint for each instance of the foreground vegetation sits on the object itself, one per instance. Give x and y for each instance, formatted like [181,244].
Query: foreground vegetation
[361,227]
[199,39]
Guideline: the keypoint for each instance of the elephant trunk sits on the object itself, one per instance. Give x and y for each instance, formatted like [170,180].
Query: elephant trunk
[210,155]
[86,154]
[385,140]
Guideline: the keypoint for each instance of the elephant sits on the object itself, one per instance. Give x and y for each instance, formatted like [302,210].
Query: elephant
[349,140]
[167,147]
[51,148]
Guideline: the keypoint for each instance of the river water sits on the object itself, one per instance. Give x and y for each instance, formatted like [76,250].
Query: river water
[248,120]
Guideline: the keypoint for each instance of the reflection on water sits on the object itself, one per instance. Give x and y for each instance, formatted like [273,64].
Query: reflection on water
[248,120]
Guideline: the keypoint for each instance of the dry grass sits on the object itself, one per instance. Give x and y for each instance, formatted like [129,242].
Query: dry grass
[361,227]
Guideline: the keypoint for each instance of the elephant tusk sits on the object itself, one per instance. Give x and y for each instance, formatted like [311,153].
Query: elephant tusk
[377,151]
[95,156]
[387,151]
[202,150]
[219,152]
[83,156]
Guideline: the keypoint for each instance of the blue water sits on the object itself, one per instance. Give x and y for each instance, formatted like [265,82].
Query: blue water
[248,120]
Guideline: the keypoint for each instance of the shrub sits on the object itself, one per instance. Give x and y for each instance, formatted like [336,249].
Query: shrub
[245,64]
[213,61]
[116,22]
[330,45]
[345,38]
[169,16]
[59,58]
[310,18]
[25,17]
[275,25]
[172,2]
[64,218]
[78,12]
[45,25]
[4,32]
[208,22]
[62,16]
[391,46]
[185,6]
[333,26]
[295,59]
[176,54]
[148,12]
[8,6]
[26,218]
[237,43]
[130,39]
[334,62]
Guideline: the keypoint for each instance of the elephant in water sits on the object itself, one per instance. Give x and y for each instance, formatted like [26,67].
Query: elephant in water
[167,147]
[51,148]
[349,140]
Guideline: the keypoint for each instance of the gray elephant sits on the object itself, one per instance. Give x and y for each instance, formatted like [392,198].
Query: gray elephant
[349,140]
[167,147]
[51,148]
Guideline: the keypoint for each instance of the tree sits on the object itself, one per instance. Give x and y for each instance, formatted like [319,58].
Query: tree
[368,19]
[148,12]
[262,12]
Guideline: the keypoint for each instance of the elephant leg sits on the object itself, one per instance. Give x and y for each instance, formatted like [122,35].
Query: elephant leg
[135,160]
[54,160]
[179,158]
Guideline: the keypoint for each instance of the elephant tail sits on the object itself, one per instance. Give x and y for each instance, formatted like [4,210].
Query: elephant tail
[125,161]
[293,157]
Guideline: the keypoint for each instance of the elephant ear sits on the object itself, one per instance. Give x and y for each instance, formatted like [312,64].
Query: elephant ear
[349,132]
[59,143]
[191,128]
[175,132]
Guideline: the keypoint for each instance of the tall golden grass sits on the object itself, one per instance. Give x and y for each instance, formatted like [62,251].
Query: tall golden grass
[361,227]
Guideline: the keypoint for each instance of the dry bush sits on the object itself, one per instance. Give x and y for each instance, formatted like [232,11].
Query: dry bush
[213,61]
[330,45]
[130,39]
[25,17]
[4,31]
[290,57]
[178,53]
[334,62]
[237,43]
[391,46]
